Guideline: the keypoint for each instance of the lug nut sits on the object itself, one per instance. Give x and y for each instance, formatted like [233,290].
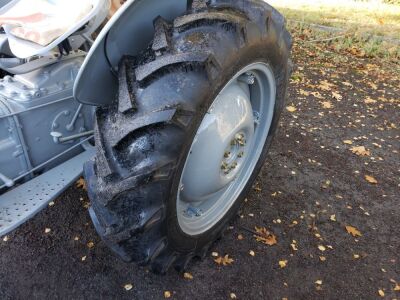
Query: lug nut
[247,78]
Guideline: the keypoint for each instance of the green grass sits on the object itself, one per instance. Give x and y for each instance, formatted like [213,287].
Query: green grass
[365,29]
[362,17]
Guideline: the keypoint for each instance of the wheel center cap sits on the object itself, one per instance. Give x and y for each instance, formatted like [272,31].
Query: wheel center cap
[234,154]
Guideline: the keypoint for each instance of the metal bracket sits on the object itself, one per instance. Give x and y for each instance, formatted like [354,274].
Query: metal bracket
[59,139]
[7,181]
[11,66]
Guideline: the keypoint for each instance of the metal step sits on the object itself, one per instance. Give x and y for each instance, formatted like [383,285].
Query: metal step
[23,202]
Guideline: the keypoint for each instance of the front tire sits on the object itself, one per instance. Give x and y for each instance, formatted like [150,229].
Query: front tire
[143,140]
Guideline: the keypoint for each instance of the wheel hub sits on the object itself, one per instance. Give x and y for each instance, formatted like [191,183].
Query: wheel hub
[226,148]
[223,137]
[234,154]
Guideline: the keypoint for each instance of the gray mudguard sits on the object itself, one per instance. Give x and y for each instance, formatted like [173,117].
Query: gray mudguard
[4,2]
[128,32]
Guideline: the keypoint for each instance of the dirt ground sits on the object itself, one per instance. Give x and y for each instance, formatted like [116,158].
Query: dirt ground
[311,188]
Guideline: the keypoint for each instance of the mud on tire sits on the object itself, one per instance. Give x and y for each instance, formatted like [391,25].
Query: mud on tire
[143,139]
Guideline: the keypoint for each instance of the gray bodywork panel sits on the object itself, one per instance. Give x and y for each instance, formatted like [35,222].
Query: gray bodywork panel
[128,32]
[32,105]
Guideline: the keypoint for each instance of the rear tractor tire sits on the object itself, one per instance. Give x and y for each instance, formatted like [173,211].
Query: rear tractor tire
[189,131]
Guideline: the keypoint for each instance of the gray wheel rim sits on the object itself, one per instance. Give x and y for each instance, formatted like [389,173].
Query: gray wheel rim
[226,148]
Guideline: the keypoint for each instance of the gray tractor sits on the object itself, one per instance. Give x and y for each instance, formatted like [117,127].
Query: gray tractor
[169,108]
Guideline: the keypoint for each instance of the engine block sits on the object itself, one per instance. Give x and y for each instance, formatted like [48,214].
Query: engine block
[32,106]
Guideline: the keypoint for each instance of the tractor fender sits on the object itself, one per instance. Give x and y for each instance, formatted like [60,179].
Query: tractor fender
[128,32]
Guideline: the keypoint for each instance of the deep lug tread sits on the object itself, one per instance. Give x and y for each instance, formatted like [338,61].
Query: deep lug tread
[126,96]
[153,217]
[163,261]
[187,20]
[103,167]
[202,254]
[157,249]
[128,205]
[125,127]
[182,263]
[199,5]
[161,40]
[150,68]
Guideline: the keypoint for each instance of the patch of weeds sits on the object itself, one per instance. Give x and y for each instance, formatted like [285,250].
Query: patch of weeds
[322,43]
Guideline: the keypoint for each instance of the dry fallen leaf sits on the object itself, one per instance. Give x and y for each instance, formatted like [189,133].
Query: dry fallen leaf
[167,294]
[396,287]
[333,218]
[353,231]
[360,151]
[283,263]
[187,275]
[264,236]
[356,256]
[83,258]
[81,184]
[322,258]
[240,237]
[252,253]
[214,254]
[317,95]
[233,296]
[373,85]
[226,260]
[381,293]
[325,85]
[371,179]
[304,93]
[90,245]
[5,239]
[321,248]
[319,282]
[326,104]
[47,230]
[337,96]
[368,100]
[291,108]
[128,287]
[294,246]
[348,142]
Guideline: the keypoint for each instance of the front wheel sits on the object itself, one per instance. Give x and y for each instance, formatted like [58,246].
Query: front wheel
[189,131]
